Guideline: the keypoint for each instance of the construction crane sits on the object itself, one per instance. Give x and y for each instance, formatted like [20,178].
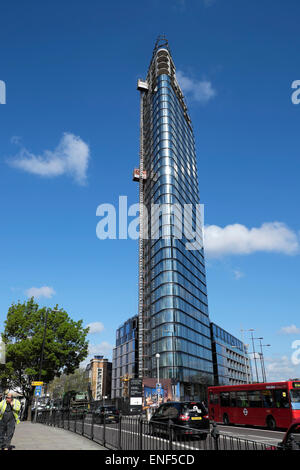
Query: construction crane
[125,380]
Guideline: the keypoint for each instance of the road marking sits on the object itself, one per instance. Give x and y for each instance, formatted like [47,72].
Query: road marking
[250,429]
[247,436]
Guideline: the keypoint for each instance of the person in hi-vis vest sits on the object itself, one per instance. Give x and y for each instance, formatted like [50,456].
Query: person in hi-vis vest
[9,417]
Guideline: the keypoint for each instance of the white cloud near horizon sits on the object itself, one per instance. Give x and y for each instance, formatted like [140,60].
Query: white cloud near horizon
[236,239]
[95,327]
[102,349]
[70,157]
[280,368]
[198,90]
[38,292]
[290,330]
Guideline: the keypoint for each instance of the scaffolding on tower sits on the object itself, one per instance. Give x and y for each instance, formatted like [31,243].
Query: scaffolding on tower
[140,176]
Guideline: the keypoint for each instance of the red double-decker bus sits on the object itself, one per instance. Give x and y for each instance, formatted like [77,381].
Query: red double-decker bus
[274,405]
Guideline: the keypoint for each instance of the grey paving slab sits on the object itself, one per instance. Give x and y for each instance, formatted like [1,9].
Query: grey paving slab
[30,436]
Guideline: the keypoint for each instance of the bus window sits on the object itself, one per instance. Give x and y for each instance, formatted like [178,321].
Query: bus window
[254,398]
[214,399]
[241,399]
[281,399]
[295,399]
[268,401]
[232,399]
[224,399]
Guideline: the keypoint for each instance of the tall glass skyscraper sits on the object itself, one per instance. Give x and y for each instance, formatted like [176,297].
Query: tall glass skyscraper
[173,309]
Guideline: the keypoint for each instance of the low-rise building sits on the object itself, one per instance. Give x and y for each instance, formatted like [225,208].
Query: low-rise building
[125,357]
[99,372]
[230,358]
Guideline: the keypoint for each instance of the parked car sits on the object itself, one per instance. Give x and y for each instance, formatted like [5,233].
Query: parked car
[291,440]
[187,418]
[107,412]
[40,408]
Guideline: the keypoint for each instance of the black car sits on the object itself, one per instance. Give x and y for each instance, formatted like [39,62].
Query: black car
[108,413]
[186,418]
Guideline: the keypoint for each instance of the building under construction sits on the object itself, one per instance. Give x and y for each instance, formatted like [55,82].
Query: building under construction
[173,319]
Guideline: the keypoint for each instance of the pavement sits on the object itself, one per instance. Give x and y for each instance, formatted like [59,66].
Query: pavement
[34,436]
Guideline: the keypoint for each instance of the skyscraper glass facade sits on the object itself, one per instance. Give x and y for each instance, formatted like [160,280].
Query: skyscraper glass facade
[176,317]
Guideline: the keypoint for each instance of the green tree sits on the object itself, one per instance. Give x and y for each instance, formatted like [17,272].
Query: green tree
[65,346]
[65,383]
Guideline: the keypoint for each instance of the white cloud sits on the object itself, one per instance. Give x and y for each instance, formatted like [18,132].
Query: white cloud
[70,157]
[238,274]
[280,368]
[103,348]
[95,327]
[199,90]
[237,239]
[253,355]
[290,330]
[38,292]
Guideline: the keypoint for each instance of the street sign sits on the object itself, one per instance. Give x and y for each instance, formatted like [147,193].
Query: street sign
[36,384]
[136,388]
[38,391]
[136,395]
[136,401]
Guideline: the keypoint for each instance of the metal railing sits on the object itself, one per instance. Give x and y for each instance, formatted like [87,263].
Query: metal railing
[132,433]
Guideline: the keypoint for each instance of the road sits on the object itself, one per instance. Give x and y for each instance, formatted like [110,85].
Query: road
[131,437]
[255,434]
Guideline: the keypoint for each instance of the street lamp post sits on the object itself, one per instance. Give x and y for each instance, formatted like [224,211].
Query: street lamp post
[264,345]
[262,362]
[104,397]
[173,368]
[157,364]
[43,345]
[254,354]
[42,354]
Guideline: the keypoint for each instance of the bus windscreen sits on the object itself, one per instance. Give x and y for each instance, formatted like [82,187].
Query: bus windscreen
[295,399]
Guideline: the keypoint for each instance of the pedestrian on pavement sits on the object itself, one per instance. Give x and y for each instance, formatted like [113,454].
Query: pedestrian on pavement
[9,417]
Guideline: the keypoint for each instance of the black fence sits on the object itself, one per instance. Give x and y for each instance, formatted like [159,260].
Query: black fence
[129,433]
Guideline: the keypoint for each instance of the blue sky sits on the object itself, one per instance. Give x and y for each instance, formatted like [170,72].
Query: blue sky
[69,141]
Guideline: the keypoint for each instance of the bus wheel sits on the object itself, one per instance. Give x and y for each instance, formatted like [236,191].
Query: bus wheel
[271,423]
[225,419]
